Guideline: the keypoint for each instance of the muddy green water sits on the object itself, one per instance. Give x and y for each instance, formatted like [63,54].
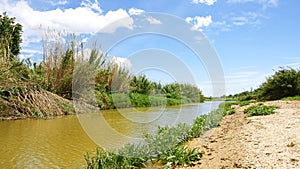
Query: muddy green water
[62,142]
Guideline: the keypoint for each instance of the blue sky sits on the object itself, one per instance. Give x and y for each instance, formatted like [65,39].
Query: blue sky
[251,37]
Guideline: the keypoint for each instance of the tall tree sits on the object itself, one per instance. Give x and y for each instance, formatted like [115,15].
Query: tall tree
[10,37]
[140,84]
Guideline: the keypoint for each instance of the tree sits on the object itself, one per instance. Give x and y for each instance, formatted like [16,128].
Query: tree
[10,38]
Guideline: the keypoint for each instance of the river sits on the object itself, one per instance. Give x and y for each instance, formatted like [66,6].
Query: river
[61,142]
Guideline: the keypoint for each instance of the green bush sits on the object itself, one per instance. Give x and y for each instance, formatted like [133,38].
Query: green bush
[259,110]
[284,83]
[140,100]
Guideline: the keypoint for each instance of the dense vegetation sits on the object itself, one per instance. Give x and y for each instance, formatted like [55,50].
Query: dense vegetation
[20,95]
[284,83]
[164,149]
[43,89]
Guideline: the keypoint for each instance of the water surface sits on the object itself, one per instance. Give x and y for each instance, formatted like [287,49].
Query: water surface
[61,142]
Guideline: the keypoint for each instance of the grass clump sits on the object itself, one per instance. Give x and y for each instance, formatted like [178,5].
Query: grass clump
[259,110]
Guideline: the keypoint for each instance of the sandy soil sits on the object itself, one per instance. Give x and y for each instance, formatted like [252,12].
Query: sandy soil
[271,141]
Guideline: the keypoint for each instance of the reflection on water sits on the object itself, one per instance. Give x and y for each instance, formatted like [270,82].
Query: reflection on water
[61,142]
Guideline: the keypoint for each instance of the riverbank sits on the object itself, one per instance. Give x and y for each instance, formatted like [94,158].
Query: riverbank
[270,141]
[30,102]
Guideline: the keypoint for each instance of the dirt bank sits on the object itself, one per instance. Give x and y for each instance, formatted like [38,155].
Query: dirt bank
[271,141]
[30,102]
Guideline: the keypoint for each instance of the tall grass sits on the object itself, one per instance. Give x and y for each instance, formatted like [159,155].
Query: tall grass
[56,69]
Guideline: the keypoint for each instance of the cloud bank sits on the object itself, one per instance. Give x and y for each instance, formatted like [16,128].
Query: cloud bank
[85,19]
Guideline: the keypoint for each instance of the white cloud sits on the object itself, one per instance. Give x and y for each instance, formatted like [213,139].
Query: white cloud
[135,11]
[232,20]
[122,62]
[265,3]
[60,2]
[199,21]
[84,19]
[207,2]
[153,21]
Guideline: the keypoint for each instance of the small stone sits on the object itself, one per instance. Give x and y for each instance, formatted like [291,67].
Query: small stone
[294,160]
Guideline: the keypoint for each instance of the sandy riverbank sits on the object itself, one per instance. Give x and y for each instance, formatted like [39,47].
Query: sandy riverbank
[271,141]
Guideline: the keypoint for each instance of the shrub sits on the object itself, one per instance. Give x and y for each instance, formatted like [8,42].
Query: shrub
[284,83]
[139,100]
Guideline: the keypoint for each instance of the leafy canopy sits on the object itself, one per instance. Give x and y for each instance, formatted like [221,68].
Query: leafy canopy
[10,37]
